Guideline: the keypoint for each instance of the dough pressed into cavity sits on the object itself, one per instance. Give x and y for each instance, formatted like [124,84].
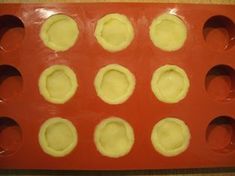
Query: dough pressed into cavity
[170,84]
[114,84]
[114,32]
[57,84]
[57,137]
[168,32]
[170,136]
[59,32]
[114,137]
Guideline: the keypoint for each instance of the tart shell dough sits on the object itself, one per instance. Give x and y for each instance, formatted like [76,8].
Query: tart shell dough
[114,84]
[168,32]
[114,32]
[57,84]
[170,84]
[59,32]
[114,137]
[170,137]
[57,137]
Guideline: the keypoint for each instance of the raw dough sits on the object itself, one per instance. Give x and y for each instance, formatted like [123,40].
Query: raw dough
[57,84]
[168,32]
[170,84]
[170,136]
[114,84]
[114,137]
[59,32]
[57,137]
[114,32]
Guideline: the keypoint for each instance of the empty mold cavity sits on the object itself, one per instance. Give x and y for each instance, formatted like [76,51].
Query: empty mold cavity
[220,134]
[220,83]
[11,82]
[10,136]
[219,32]
[11,32]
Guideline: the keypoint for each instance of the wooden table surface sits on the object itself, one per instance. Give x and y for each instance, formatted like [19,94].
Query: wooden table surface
[184,172]
[228,2]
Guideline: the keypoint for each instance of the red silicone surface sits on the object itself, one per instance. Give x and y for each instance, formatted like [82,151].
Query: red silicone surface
[208,58]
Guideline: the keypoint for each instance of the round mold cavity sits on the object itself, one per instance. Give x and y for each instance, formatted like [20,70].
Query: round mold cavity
[114,32]
[219,32]
[114,137]
[11,82]
[58,137]
[170,136]
[170,84]
[114,84]
[10,136]
[220,83]
[220,134]
[58,84]
[11,32]
[168,32]
[59,32]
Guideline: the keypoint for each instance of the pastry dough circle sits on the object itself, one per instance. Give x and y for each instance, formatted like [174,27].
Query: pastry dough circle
[114,137]
[170,84]
[168,32]
[57,84]
[57,137]
[170,136]
[114,84]
[114,32]
[59,32]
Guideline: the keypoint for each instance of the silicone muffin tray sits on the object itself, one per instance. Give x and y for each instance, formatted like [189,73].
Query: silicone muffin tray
[208,58]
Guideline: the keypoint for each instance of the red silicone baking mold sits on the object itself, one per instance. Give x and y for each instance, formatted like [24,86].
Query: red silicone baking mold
[208,58]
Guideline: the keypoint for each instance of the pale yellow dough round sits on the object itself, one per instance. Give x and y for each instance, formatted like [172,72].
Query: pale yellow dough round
[59,32]
[170,137]
[170,84]
[57,84]
[114,137]
[168,32]
[114,84]
[114,32]
[57,137]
